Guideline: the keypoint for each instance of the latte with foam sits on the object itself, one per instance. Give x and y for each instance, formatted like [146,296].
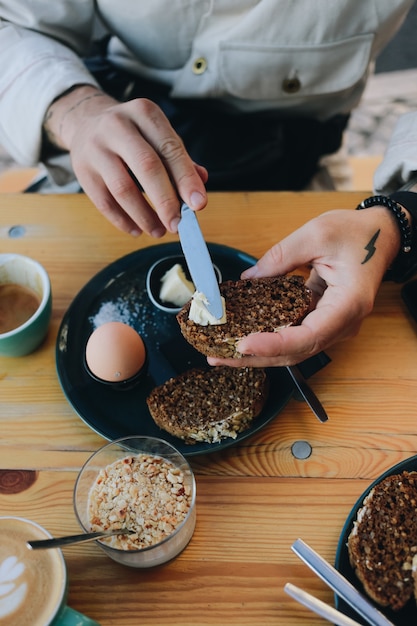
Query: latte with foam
[32,582]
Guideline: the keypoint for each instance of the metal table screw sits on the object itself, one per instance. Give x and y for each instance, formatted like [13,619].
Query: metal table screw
[301,449]
[16,231]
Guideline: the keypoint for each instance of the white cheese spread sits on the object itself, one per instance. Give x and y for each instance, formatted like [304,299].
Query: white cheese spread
[199,314]
[175,286]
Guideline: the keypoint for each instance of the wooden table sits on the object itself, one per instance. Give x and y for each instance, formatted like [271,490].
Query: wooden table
[254,499]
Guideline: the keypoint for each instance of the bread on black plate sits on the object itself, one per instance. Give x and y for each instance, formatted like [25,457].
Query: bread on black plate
[209,404]
[382,545]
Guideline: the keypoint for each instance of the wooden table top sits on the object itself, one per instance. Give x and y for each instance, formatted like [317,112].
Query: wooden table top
[253,499]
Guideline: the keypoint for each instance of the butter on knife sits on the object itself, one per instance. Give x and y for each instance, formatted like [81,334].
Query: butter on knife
[199,313]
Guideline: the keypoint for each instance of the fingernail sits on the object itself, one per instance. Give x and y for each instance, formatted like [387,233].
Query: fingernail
[158,232]
[240,347]
[174,224]
[135,232]
[251,272]
[196,199]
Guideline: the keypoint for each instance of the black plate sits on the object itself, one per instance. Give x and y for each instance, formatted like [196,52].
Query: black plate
[118,292]
[407,615]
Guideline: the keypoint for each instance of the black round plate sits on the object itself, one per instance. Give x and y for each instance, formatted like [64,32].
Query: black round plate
[118,292]
[407,615]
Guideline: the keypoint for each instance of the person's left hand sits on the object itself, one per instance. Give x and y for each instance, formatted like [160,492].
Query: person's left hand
[348,252]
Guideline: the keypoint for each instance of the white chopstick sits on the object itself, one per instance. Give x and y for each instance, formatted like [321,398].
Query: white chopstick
[340,584]
[319,607]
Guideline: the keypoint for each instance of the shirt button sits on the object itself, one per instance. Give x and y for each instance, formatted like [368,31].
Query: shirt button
[291,85]
[200,65]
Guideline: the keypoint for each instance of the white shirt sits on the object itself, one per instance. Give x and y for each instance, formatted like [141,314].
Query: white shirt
[244,52]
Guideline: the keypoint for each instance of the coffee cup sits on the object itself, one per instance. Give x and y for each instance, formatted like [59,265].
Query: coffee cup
[25,304]
[33,583]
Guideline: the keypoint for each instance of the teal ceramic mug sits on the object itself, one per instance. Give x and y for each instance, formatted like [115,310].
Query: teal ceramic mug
[33,583]
[25,304]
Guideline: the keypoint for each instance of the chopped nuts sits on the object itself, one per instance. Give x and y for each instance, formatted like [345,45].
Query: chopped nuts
[143,493]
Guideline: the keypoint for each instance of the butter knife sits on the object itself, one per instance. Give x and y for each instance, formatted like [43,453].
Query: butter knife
[307,393]
[199,261]
[340,585]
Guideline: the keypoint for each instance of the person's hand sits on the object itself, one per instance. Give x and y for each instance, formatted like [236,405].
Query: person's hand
[348,252]
[114,146]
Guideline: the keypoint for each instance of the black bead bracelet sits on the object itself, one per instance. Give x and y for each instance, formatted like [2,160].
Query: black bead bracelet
[398,212]
[405,264]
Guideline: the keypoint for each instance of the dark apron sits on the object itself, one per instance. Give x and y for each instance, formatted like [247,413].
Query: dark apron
[241,151]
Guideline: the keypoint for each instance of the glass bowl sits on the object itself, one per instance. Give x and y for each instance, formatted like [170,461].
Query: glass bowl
[120,478]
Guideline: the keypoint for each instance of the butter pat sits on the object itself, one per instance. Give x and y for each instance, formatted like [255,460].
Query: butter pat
[199,314]
[175,286]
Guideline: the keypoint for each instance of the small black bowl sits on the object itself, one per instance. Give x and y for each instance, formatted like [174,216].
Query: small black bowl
[155,275]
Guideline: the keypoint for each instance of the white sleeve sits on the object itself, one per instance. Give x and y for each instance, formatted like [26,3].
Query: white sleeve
[400,160]
[35,69]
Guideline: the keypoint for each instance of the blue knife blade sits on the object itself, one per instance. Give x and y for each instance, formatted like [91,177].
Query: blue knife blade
[199,261]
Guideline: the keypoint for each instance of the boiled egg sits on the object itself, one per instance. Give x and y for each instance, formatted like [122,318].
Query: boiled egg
[115,352]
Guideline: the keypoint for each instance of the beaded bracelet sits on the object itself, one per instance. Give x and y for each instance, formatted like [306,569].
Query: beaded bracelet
[402,220]
[405,264]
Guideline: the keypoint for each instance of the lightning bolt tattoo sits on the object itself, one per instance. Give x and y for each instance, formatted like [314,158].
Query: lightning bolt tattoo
[370,246]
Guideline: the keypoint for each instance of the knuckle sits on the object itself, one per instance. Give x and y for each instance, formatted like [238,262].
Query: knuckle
[122,186]
[144,106]
[171,148]
[148,162]
[168,203]
[276,254]
[322,226]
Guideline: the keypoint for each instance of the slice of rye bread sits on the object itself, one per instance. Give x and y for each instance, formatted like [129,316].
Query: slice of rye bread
[209,404]
[383,540]
[258,305]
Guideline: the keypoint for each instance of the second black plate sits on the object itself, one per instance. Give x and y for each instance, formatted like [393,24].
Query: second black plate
[407,615]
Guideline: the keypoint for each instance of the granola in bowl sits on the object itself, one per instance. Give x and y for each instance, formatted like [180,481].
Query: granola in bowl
[142,484]
[143,493]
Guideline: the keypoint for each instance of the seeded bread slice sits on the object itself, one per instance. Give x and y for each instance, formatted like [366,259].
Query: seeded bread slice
[383,540]
[209,404]
[259,305]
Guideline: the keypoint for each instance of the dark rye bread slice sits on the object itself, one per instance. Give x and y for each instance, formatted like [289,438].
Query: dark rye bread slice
[258,305]
[209,404]
[383,540]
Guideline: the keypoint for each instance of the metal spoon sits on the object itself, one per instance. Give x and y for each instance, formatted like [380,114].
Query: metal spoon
[65,541]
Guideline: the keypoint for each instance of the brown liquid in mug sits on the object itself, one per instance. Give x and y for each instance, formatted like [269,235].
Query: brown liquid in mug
[17,305]
[32,581]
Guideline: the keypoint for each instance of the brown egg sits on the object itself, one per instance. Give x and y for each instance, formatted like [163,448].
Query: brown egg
[115,352]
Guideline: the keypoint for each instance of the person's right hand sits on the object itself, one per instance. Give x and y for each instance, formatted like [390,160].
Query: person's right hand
[348,253]
[113,146]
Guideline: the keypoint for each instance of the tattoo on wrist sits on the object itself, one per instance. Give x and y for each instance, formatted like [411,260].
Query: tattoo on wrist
[370,247]
[52,138]
[96,94]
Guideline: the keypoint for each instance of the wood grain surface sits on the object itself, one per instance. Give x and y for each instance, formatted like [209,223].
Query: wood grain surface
[253,499]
